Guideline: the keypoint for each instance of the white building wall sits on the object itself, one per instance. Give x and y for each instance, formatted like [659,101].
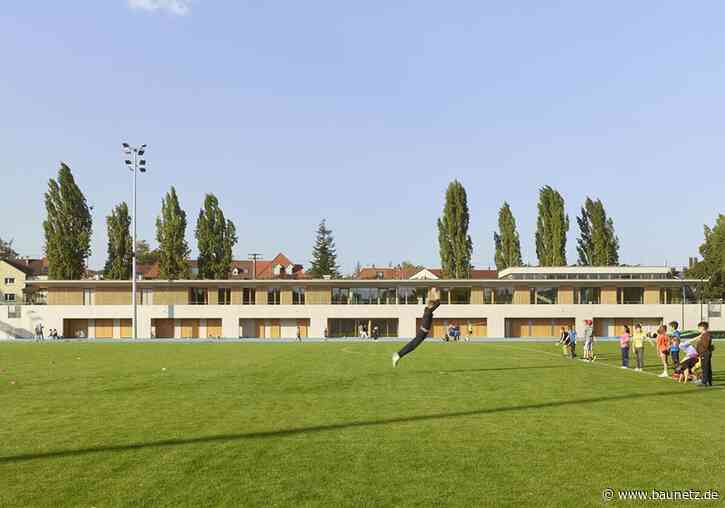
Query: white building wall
[52,316]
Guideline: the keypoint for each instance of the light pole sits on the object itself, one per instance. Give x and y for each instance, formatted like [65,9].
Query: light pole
[135,164]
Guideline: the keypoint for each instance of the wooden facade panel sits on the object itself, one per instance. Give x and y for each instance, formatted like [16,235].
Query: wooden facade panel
[522,296]
[565,296]
[477,296]
[318,296]
[126,328]
[164,328]
[189,328]
[214,328]
[651,296]
[114,296]
[609,296]
[171,296]
[236,296]
[538,327]
[65,296]
[303,327]
[275,330]
[285,297]
[213,296]
[261,296]
[104,328]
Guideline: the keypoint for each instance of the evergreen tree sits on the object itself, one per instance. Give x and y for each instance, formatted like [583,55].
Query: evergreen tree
[324,255]
[508,245]
[598,244]
[551,228]
[454,242]
[120,255]
[144,254]
[67,227]
[216,237]
[171,235]
[712,265]
[6,250]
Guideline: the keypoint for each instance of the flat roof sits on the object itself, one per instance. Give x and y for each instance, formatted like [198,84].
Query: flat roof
[584,269]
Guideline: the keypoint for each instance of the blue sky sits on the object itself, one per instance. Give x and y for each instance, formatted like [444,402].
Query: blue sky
[362,112]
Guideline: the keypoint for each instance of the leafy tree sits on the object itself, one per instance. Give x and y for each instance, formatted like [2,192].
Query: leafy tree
[120,255]
[712,265]
[324,255]
[144,254]
[552,226]
[453,239]
[598,244]
[508,245]
[171,235]
[6,250]
[67,227]
[216,237]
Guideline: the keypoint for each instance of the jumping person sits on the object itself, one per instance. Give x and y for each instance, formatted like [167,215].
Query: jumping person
[434,300]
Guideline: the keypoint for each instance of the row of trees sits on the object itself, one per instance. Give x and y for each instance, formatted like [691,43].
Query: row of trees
[68,228]
[597,244]
[69,224]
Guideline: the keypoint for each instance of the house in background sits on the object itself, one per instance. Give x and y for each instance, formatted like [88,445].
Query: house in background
[280,267]
[416,273]
[14,273]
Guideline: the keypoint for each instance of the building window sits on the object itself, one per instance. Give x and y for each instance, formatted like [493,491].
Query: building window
[412,296]
[543,296]
[9,297]
[587,296]
[364,296]
[388,296]
[487,296]
[198,296]
[503,295]
[351,327]
[273,296]
[9,280]
[147,296]
[630,296]
[298,296]
[224,296]
[340,296]
[460,296]
[249,296]
[87,296]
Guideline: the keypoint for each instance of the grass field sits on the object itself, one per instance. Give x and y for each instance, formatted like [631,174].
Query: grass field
[333,424]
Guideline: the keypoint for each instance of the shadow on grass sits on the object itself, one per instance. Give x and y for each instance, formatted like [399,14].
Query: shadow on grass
[335,426]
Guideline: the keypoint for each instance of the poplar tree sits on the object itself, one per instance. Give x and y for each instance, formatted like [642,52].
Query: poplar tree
[216,237]
[598,244]
[120,253]
[712,265]
[171,236]
[552,226]
[324,254]
[453,239]
[508,245]
[67,228]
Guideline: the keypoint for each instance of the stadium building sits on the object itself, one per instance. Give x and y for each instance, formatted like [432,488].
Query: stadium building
[517,302]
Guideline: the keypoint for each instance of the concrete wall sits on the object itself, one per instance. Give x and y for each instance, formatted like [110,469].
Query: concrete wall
[52,315]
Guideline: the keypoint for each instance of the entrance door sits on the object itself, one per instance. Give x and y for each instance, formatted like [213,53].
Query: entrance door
[164,328]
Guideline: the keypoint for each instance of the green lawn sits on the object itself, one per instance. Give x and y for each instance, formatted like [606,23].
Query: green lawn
[335,425]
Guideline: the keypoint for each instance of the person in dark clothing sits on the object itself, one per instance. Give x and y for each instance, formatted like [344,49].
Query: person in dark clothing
[434,300]
[704,349]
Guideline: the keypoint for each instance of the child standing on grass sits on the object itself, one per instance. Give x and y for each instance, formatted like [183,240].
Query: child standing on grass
[638,338]
[675,339]
[588,340]
[663,348]
[624,347]
[572,339]
[565,341]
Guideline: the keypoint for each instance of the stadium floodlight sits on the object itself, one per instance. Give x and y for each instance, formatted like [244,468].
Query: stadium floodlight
[135,165]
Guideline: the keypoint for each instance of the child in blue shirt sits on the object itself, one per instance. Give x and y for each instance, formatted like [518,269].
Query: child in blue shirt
[675,338]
